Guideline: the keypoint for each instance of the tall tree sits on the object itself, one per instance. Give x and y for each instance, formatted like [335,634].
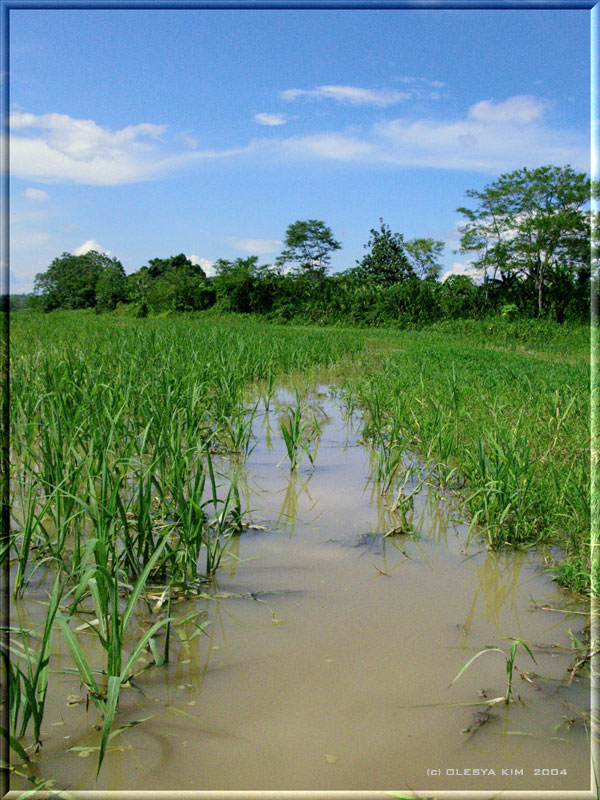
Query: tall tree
[111,287]
[386,262]
[424,255]
[166,267]
[309,244]
[235,282]
[532,223]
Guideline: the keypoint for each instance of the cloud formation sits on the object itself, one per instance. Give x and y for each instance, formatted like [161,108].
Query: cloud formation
[491,138]
[270,119]
[520,110]
[36,194]
[90,244]
[56,147]
[351,95]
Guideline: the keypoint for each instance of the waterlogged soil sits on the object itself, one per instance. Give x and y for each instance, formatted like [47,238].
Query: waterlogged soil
[331,648]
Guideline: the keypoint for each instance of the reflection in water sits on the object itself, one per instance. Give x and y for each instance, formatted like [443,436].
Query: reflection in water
[297,487]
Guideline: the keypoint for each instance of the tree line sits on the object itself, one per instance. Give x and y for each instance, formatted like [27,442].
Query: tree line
[527,234]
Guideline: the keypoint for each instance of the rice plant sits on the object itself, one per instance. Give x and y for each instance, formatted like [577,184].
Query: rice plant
[26,675]
[111,626]
[123,432]
[509,662]
[298,433]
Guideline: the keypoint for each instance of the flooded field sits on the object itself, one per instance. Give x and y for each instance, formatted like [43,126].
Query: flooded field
[331,648]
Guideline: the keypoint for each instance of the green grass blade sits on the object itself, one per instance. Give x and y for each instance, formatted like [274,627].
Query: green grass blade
[81,662]
[471,660]
[112,698]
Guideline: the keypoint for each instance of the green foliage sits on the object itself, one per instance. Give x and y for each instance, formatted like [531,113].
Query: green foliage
[114,426]
[115,423]
[386,263]
[424,255]
[81,282]
[235,283]
[111,287]
[298,433]
[531,225]
[170,284]
[459,297]
[529,235]
[309,245]
[168,267]
[18,302]
[509,427]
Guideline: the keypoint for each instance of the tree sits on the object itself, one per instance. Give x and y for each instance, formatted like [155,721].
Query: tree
[309,244]
[234,282]
[173,283]
[71,281]
[458,296]
[532,223]
[111,287]
[386,262]
[166,267]
[139,283]
[423,255]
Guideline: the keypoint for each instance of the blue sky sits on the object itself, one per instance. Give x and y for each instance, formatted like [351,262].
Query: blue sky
[148,133]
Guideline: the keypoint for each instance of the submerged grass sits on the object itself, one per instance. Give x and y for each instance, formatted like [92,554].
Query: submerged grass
[116,424]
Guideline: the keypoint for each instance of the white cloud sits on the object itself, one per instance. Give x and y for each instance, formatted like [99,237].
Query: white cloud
[36,194]
[352,95]
[207,266]
[56,147]
[258,246]
[270,119]
[424,82]
[91,244]
[463,268]
[188,140]
[490,139]
[520,110]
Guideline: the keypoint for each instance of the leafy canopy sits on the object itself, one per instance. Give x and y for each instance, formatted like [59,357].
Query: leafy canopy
[80,281]
[386,262]
[309,244]
[530,223]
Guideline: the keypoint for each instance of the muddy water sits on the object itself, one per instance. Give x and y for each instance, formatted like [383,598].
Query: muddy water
[330,652]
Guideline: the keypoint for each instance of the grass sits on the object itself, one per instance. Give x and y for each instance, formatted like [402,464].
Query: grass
[119,426]
[509,430]
[298,433]
[115,429]
[509,662]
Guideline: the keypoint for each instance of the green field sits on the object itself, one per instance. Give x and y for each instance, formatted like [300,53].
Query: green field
[116,425]
[504,407]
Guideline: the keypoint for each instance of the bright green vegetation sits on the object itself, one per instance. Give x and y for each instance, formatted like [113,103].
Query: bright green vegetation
[528,234]
[118,427]
[115,490]
[503,417]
